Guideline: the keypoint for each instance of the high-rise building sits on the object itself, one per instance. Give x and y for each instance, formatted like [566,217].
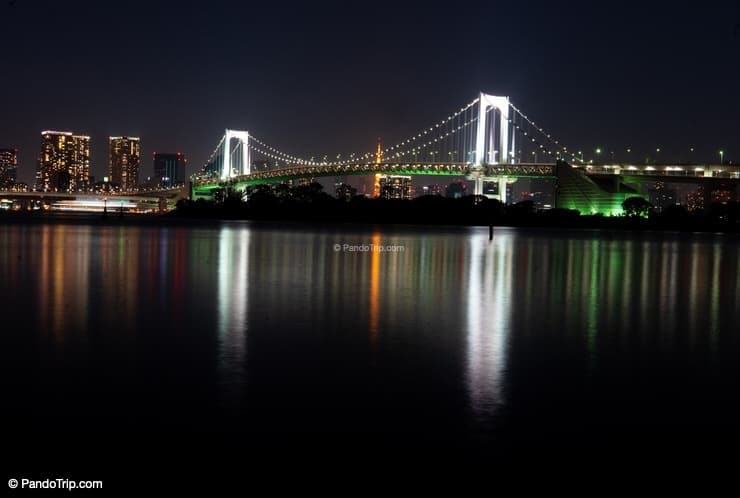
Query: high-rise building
[8,168]
[125,162]
[64,163]
[396,187]
[169,169]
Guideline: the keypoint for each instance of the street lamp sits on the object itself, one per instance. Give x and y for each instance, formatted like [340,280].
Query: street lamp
[721,157]
[598,153]
[535,157]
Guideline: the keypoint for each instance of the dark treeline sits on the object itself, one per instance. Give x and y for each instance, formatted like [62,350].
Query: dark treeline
[311,203]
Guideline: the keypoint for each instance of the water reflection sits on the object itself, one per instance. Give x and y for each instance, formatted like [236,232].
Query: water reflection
[233,302]
[454,324]
[489,288]
[374,290]
[64,261]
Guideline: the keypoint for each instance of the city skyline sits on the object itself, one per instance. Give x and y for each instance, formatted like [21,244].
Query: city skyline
[636,83]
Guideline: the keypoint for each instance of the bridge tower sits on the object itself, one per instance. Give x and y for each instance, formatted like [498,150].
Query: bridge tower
[235,158]
[501,104]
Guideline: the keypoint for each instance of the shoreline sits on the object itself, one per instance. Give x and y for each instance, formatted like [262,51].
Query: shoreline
[535,222]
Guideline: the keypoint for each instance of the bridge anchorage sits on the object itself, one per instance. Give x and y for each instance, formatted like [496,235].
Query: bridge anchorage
[487,140]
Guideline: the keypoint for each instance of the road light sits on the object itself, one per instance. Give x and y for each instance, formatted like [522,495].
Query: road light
[721,157]
[535,157]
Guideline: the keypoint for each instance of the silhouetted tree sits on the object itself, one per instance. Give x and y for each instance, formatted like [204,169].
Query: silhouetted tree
[636,207]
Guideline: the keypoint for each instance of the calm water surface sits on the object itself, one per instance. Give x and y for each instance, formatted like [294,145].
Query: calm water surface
[264,334]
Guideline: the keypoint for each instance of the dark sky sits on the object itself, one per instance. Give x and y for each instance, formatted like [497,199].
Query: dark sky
[323,78]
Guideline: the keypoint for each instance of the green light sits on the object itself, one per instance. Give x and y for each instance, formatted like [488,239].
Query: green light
[598,151]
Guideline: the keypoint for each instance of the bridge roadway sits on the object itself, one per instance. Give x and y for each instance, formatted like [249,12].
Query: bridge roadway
[668,172]
[627,172]
[531,170]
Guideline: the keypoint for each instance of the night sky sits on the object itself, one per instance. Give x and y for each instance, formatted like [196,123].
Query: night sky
[330,78]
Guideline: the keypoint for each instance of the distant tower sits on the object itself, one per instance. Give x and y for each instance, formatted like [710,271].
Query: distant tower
[378,160]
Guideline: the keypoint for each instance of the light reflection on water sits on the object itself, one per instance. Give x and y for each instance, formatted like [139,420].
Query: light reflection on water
[233,303]
[488,320]
[455,320]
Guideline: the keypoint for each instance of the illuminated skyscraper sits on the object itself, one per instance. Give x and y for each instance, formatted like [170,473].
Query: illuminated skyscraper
[64,163]
[125,162]
[8,168]
[396,187]
[169,169]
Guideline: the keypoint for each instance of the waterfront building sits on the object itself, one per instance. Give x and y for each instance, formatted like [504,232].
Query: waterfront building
[396,187]
[8,168]
[64,162]
[169,169]
[125,162]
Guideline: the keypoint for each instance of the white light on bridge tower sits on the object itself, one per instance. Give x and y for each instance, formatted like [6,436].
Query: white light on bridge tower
[241,152]
[502,105]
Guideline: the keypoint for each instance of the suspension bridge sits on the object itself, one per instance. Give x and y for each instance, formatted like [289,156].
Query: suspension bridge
[488,140]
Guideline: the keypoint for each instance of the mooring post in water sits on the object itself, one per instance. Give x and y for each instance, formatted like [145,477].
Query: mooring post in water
[490,232]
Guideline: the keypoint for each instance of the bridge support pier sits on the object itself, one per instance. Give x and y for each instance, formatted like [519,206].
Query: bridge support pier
[478,189]
[502,182]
